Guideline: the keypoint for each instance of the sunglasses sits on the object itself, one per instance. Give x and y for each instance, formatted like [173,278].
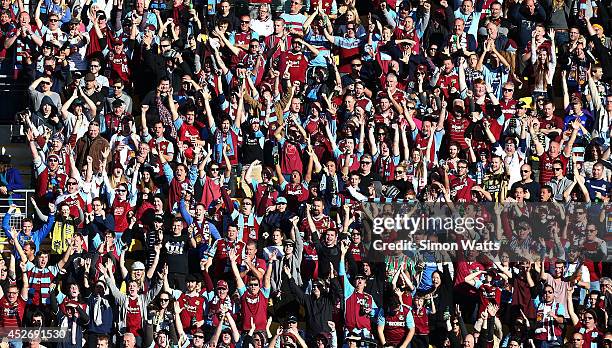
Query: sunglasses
[253,284]
[366,162]
[53,160]
[508,90]
[198,337]
[164,300]
[121,190]
[53,20]
[558,169]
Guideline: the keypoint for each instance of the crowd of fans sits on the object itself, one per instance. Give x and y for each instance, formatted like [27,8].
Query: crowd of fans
[205,172]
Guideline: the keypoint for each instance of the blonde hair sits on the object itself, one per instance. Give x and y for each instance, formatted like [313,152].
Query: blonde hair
[353,10]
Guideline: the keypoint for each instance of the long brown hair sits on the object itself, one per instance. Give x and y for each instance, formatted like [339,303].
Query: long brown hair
[540,70]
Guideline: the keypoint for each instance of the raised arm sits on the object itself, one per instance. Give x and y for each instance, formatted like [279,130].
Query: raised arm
[235,50]
[233,258]
[25,288]
[14,236]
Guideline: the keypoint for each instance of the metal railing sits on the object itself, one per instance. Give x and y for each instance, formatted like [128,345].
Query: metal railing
[25,210]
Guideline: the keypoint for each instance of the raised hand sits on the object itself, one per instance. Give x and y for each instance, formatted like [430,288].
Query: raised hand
[106,152]
[14,234]
[344,247]
[233,255]
[294,220]
[492,309]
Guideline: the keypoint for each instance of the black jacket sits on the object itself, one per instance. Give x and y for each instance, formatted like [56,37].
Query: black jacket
[318,310]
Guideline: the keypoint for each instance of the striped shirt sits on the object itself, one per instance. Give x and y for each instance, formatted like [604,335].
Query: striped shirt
[294,21]
[40,279]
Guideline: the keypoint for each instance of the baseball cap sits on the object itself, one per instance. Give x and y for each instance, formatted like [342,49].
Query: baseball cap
[281,200]
[353,337]
[222,284]
[361,275]
[292,319]
[158,218]
[138,266]
[90,77]
[288,242]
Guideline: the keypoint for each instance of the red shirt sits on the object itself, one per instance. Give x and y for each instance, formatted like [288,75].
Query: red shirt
[120,210]
[421,321]
[589,336]
[355,318]
[193,308]
[546,166]
[296,193]
[118,64]
[456,129]
[11,314]
[554,122]
[256,307]
[133,319]
[508,108]
[461,189]
[290,159]
[488,294]
[187,132]
[322,223]
[447,82]
[395,326]
[221,256]
[296,63]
